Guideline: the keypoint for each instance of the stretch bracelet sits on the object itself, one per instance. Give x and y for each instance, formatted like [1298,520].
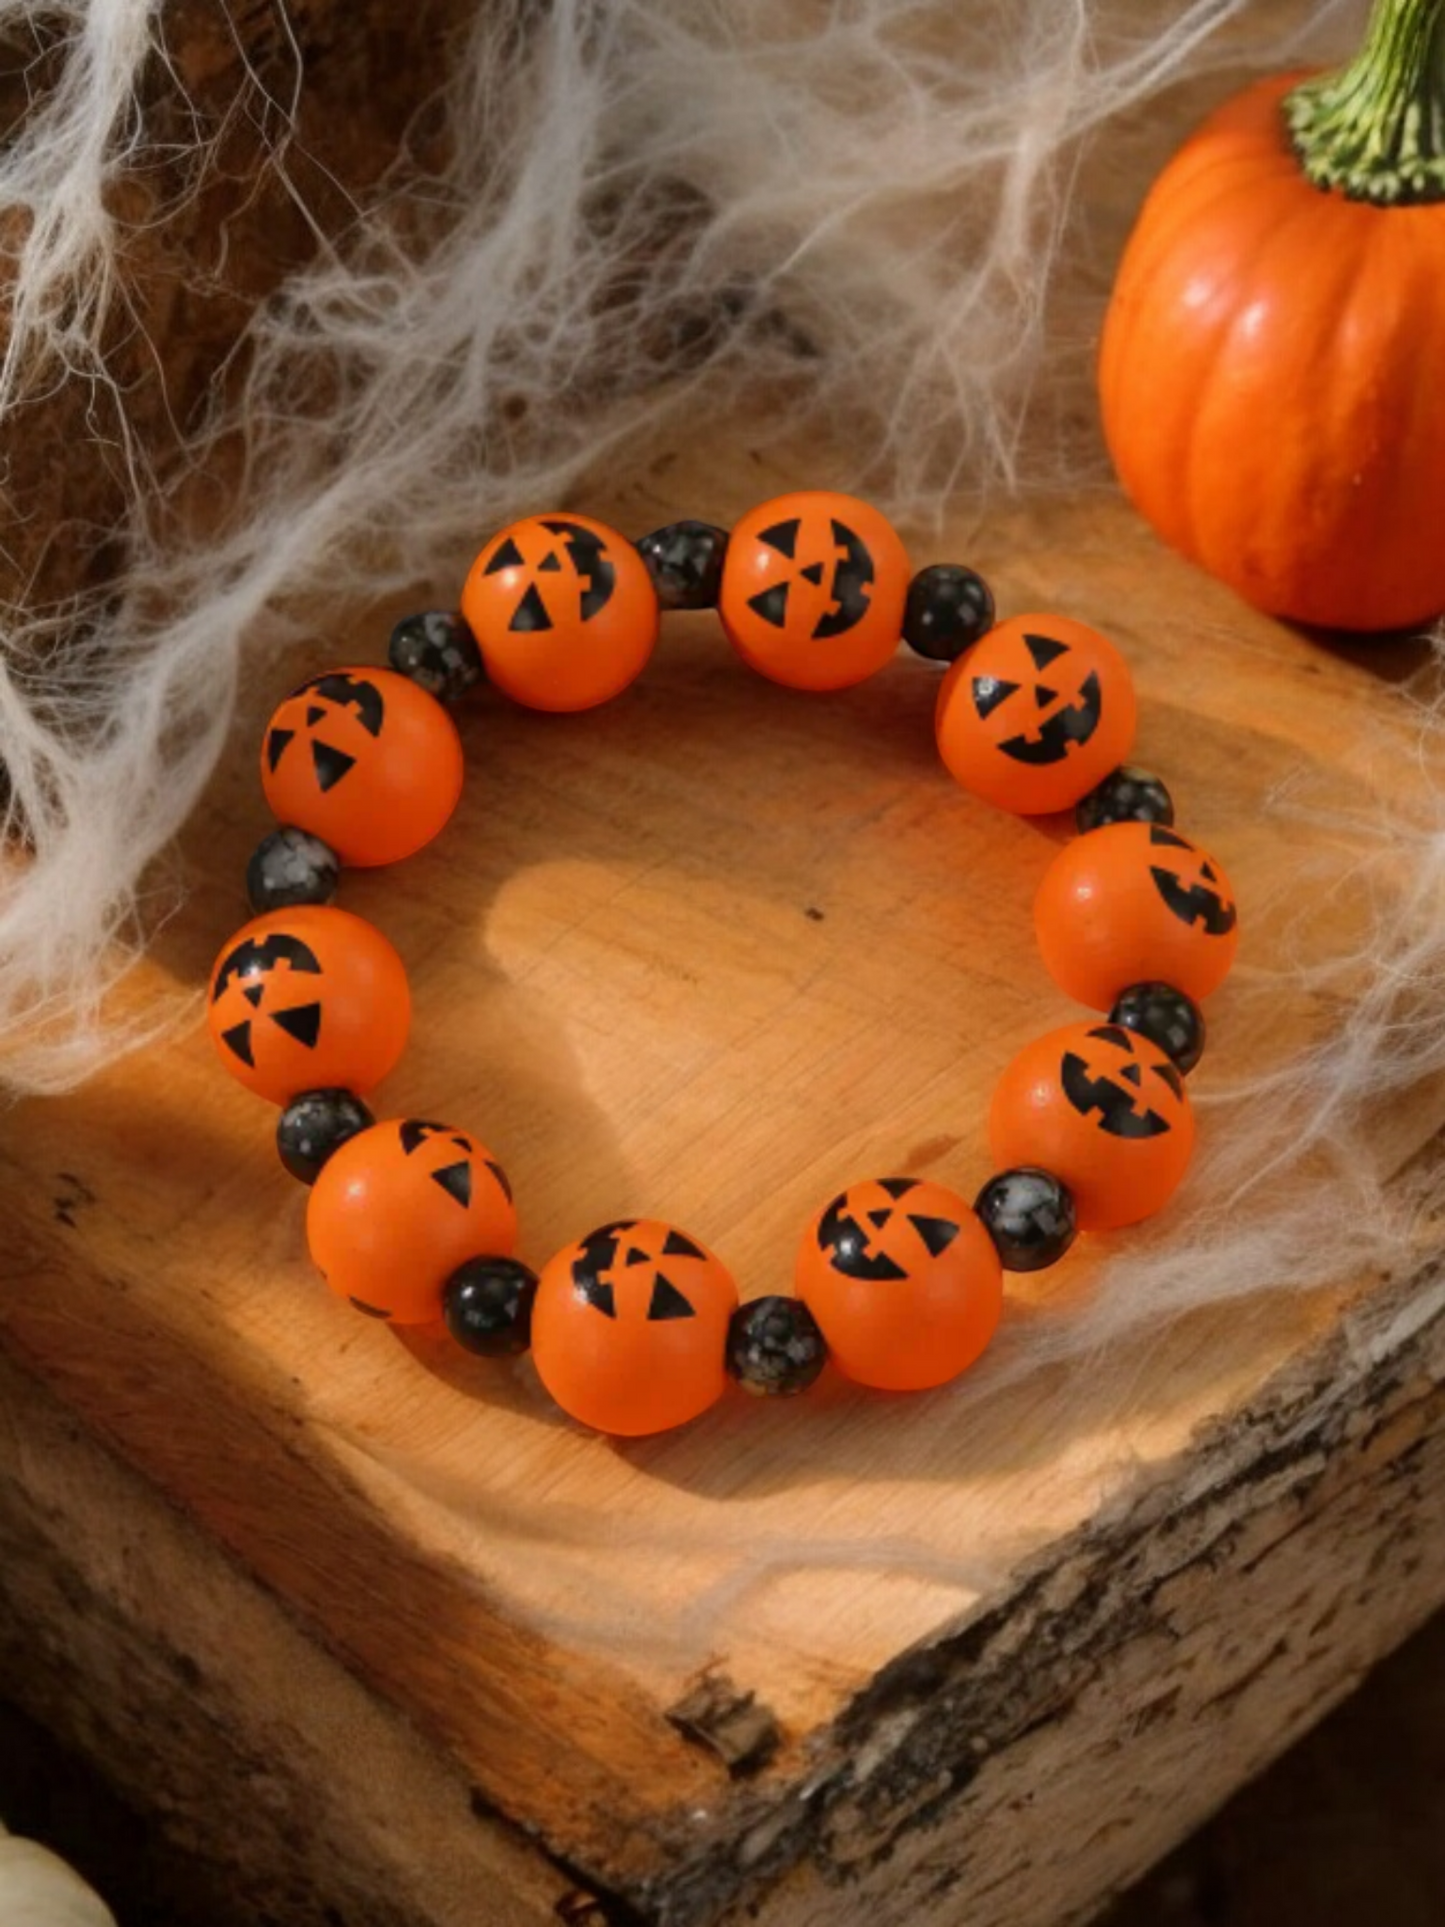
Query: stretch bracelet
[637,1326]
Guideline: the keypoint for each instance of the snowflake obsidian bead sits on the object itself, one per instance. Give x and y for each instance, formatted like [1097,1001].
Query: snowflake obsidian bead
[685,561]
[291,866]
[1167,1018]
[775,1347]
[315,1125]
[438,652]
[1029,1215]
[487,1306]
[948,609]
[1127,796]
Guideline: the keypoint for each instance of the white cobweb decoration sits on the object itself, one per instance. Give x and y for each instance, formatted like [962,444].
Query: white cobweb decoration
[859,209]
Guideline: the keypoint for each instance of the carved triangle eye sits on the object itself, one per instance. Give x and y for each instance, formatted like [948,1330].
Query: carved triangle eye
[238,1039]
[456,1181]
[989,692]
[1045,650]
[302,1021]
[937,1233]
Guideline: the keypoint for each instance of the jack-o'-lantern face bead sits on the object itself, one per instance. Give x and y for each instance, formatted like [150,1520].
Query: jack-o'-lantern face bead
[1037,714]
[1135,903]
[365,760]
[563,610]
[1105,1111]
[308,999]
[813,590]
[399,1208]
[630,1327]
[904,1281]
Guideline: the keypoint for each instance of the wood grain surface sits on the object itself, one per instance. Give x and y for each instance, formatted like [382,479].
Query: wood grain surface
[709,954]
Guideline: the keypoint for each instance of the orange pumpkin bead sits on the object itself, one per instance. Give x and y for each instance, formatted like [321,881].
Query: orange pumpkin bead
[308,999]
[630,1326]
[1135,903]
[398,1208]
[1036,714]
[813,590]
[365,760]
[1103,1110]
[563,610]
[905,1283]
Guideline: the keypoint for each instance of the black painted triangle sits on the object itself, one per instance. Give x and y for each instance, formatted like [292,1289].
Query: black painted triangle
[1043,695]
[668,1301]
[1168,839]
[1114,1034]
[502,1179]
[880,1218]
[253,993]
[1170,1074]
[1045,650]
[599,1295]
[813,573]
[508,556]
[314,715]
[989,692]
[302,1021]
[238,1038]
[782,536]
[550,563]
[636,1257]
[897,1187]
[330,764]
[771,604]
[677,1244]
[456,1181]
[276,746]
[937,1233]
[1131,1074]
[531,613]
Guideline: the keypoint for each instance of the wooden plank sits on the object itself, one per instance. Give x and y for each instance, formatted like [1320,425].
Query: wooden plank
[620,985]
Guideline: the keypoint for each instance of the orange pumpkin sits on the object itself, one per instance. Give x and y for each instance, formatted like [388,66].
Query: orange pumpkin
[1104,1111]
[398,1208]
[365,760]
[1036,714]
[630,1326]
[563,610]
[308,999]
[813,589]
[1135,903]
[1268,369]
[904,1281]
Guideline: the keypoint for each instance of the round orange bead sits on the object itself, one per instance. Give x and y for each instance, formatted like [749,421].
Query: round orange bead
[1036,714]
[563,610]
[1105,1111]
[904,1282]
[1135,903]
[813,590]
[365,760]
[630,1325]
[308,999]
[398,1208]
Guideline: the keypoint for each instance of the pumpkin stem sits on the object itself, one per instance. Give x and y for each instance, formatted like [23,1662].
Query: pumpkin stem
[1375,129]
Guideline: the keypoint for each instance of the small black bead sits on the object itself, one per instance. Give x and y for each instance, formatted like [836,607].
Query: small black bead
[1128,796]
[685,561]
[487,1304]
[1167,1018]
[315,1125]
[291,866]
[1029,1215]
[774,1346]
[438,652]
[948,609]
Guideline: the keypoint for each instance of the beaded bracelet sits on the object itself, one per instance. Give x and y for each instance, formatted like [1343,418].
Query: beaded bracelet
[636,1326]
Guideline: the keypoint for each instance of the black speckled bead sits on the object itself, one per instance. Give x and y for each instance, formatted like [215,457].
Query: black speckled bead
[948,609]
[1029,1215]
[774,1346]
[438,652]
[316,1124]
[1128,796]
[685,561]
[291,866]
[1167,1018]
[487,1305]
